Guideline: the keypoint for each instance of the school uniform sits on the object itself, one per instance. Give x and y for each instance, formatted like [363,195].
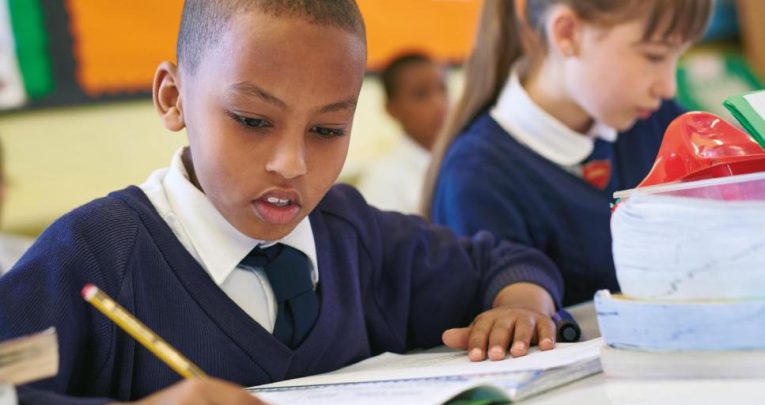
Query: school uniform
[518,172]
[395,181]
[217,246]
[386,282]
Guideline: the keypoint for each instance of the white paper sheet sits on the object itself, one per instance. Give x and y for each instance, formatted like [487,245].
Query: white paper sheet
[431,378]
[390,366]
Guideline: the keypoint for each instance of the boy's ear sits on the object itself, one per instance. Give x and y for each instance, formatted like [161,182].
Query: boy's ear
[166,93]
[564,31]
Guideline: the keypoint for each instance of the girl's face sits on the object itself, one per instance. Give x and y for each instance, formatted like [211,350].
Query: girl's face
[617,77]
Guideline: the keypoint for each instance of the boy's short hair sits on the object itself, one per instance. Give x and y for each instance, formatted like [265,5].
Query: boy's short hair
[390,73]
[203,21]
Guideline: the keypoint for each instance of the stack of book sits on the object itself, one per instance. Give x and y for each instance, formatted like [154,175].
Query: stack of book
[689,259]
[26,359]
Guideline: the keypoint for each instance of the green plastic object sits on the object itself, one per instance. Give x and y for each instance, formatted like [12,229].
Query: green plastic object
[749,109]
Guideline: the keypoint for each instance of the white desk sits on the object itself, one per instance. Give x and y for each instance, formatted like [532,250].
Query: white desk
[599,389]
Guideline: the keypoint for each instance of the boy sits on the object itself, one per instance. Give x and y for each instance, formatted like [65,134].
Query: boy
[266,90]
[416,97]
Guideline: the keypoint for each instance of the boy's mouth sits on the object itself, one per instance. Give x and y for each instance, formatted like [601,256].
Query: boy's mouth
[277,207]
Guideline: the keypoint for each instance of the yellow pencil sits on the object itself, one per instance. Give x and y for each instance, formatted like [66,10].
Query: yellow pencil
[140,332]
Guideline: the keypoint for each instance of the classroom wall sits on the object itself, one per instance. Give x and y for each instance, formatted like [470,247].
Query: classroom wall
[57,159]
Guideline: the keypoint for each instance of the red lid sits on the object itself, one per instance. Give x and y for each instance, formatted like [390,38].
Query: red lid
[700,145]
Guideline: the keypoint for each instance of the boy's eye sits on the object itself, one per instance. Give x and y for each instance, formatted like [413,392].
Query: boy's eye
[325,132]
[251,122]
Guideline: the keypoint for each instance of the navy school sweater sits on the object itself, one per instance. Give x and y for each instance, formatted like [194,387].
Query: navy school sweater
[388,282]
[489,181]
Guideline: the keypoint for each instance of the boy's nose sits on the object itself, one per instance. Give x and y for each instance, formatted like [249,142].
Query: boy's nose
[287,158]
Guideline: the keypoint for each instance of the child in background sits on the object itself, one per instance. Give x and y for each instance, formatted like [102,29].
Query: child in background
[242,255]
[564,103]
[416,98]
[11,246]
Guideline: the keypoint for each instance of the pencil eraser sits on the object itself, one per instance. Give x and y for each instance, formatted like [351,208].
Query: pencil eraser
[89,291]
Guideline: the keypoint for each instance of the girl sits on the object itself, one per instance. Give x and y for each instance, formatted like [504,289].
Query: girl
[565,102]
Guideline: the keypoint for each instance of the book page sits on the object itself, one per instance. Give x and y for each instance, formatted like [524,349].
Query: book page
[390,366]
[419,391]
[432,377]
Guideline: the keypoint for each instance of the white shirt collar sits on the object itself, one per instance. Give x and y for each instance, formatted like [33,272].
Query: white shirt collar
[216,244]
[533,127]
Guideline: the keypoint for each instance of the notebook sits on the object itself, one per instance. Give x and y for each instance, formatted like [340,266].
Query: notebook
[749,110]
[439,377]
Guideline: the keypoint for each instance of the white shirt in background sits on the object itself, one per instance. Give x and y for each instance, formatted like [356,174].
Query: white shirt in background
[394,182]
[216,245]
[12,247]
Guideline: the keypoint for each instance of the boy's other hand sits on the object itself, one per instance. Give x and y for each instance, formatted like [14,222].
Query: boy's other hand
[521,316]
[199,391]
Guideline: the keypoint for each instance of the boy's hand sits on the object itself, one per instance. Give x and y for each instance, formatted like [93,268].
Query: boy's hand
[521,315]
[199,391]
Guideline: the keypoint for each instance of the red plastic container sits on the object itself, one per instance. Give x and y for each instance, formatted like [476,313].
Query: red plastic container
[700,145]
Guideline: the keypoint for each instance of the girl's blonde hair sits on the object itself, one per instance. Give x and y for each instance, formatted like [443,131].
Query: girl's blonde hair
[503,36]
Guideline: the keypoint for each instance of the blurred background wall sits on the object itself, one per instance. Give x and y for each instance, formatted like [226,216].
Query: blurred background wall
[59,158]
[76,120]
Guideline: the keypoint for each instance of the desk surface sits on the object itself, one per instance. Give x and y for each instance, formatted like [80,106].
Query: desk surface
[599,389]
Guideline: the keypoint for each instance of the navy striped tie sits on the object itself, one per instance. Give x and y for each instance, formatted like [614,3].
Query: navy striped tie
[290,277]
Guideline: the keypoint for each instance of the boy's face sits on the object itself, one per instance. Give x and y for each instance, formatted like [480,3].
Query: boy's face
[269,113]
[618,77]
[420,101]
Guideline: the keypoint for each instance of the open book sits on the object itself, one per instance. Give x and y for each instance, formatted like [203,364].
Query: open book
[439,377]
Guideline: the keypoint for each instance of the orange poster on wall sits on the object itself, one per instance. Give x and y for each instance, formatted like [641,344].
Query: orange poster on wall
[443,28]
[117,44]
